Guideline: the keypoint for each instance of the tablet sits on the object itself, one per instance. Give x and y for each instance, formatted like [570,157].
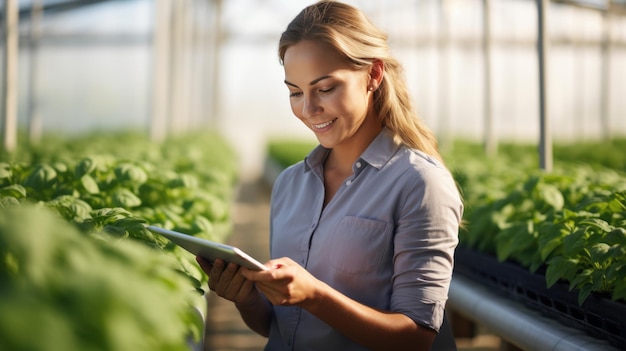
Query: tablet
[209,249]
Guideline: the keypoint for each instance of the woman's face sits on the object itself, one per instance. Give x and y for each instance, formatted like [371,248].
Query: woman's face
[328,96]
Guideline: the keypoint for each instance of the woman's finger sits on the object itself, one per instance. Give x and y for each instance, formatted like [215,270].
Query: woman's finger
[236,283]
[226,274]
[215,274]
[204,264]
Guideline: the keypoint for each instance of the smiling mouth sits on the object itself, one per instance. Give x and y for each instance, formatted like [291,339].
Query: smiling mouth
[324,125]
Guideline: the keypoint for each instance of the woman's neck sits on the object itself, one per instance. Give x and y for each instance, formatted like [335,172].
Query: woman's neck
[342,157]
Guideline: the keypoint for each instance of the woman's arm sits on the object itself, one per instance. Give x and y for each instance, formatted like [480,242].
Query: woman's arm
[287,283]
[257,315]
[228,282]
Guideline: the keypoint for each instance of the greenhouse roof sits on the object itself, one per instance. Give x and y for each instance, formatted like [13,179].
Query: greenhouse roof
[597,4]
[25,6]
[48,6]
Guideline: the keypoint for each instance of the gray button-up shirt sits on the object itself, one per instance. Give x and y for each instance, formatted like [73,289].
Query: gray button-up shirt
[386,239]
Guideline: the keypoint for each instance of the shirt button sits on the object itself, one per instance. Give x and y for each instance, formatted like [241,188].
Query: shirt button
[358,165]
[349,182]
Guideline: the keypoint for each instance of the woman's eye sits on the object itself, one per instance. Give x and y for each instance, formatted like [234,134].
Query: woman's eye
[327,90]
[294,94]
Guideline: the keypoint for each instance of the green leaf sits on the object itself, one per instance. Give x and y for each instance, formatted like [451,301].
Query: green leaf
[582,278]
[9,202]
[16,191]
[619,293]
[89,184]
[115,212]
[125,198]
[216,209]
[109,215]
[170,213]
[133,227]
[116,231]
[561,268]
[584,292]
[618,252]
[599,252]
[552,196]
[5,171]
[598,225]
[616,204]
[549,247]
[514,239]
[202,225]
[86,166]
[41,178]
[127,172]
[60,167]
[531,183]
[184,181]
[71,208]
[550,238]
[616,236]
[574,243]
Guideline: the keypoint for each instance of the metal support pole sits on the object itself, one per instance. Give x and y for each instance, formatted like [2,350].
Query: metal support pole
[34,118]
[199,14]
[605,75]
[206,103]
[545,139]
[160,70]
[444,80]
[580,98]
[177,47]
[184,116]
[215,69]
[490,142]
[9,110]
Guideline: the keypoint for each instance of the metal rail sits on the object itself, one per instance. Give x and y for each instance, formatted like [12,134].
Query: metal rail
[515,323]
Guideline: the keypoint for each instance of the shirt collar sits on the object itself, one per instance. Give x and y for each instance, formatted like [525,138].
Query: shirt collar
[377,154]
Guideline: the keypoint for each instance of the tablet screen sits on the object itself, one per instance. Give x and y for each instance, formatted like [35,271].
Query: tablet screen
[209,250]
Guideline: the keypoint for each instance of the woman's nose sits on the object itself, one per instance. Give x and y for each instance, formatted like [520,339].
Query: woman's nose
[310,107]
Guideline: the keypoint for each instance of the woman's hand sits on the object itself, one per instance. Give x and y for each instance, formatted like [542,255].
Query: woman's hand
[227,281]
[285,283]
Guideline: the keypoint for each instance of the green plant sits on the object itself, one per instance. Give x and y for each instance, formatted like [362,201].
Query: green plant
[559,222]
[63,290]
[587,247]
[105,189]
[286,152]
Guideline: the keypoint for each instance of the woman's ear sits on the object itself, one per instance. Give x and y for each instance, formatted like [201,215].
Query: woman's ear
[377,72]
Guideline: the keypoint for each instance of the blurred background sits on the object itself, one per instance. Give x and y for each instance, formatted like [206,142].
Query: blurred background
[168,66]
[493,72]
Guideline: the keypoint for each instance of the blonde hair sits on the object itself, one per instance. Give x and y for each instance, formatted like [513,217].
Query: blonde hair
[355,37]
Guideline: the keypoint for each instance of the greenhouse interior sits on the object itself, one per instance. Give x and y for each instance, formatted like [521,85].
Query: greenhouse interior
[117,115]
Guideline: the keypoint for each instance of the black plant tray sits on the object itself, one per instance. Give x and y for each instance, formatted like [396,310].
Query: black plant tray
[598,316]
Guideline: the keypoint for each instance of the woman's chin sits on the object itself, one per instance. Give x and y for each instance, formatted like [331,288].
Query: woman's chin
[325,142]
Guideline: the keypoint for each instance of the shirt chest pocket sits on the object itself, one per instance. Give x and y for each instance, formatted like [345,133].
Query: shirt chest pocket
[359,245]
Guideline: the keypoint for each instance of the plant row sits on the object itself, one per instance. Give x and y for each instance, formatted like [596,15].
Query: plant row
[569,225]
[73,238]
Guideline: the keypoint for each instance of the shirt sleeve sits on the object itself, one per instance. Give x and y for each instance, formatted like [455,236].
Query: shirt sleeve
[424,243]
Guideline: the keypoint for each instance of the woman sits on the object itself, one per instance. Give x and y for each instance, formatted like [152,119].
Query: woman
[363,231]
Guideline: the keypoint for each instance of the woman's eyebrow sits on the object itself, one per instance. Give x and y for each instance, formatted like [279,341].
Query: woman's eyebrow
[313,82]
